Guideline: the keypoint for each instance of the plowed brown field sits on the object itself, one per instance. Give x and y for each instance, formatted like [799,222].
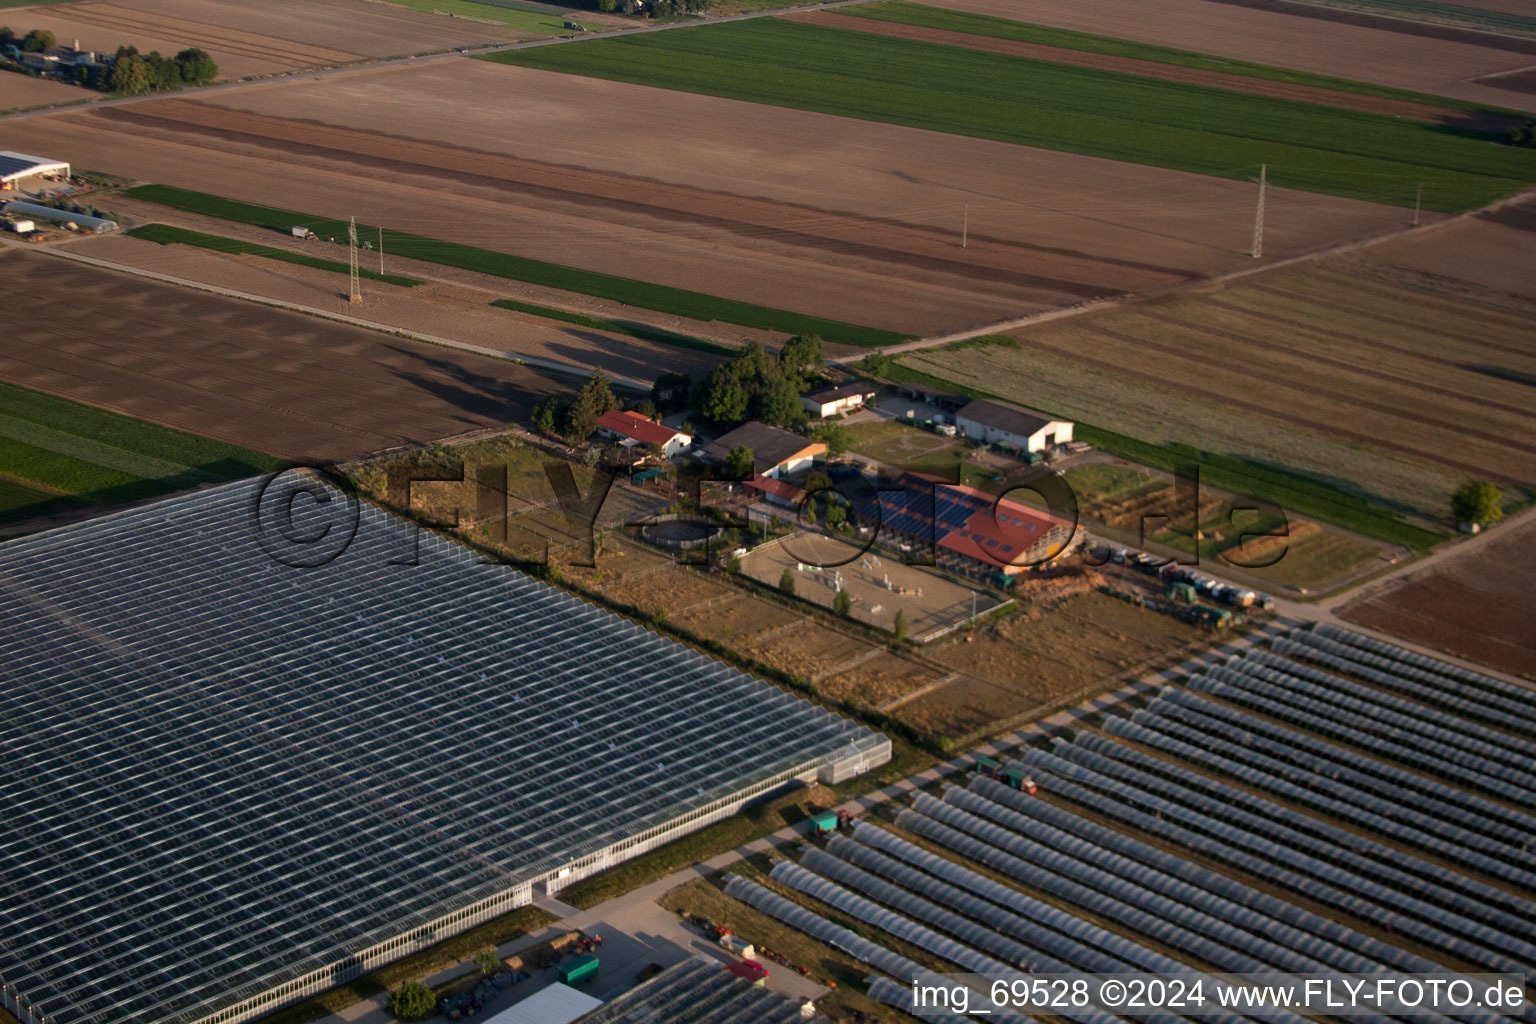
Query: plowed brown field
[18,91]
[259,38]
[1478,606]
[278,382]
[851,220]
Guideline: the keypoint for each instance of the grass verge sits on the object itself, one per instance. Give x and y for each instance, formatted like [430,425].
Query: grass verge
[630,330]
[662,298]
[1056,106]
[165,234]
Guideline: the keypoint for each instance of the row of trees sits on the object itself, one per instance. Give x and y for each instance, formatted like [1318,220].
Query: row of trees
[134,73]
[131,73]
[664,7]
[35,41]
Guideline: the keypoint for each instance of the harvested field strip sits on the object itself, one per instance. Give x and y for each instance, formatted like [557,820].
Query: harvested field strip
[165,234]
[1291,490]
[1460,15]
[1189,318]
[662,298]
[903,12]
[1464,300]
[992,43]
[1344,305]
[1357,386]
[1276,402]
[875,238]
[1038,103]
[212,37]
[1254,306]
[617,327]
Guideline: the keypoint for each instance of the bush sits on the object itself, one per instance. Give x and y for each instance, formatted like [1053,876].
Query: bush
[787,582]
[842,604]
[900,627]
[1477,501]
[412,1000]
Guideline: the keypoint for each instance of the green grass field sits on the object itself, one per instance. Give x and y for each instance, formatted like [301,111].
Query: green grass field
[57,454]
[642,294]
[1502,22]
[618,327]
[1039,103]
[907,13]
[165,234]
[518,17]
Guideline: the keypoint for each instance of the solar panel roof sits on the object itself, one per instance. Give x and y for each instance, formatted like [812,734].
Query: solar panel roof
[220,771]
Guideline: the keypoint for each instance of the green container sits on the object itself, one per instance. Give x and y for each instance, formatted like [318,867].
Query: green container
[825,822]
[985,765]
[574,972]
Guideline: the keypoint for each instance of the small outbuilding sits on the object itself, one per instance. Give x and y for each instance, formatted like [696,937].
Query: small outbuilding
[836,401]
[991,422]
[96,225]
[776,453]
[631,428]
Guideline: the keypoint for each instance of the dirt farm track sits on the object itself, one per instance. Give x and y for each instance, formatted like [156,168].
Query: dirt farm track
[851,220]
[278,382]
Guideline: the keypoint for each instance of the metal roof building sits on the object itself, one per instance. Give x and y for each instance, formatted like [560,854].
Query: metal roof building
[240,767]
[700,989]
[15,167]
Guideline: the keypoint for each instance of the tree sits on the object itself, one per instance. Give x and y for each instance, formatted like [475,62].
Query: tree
[548,415]
[722,397]
[842,604]
[899,628]
[196,67]
[128,76]
[733,565]
[671,391]
[412,1000]
[877,364]
[164,75]
[647,408]
[1523,135]
[38,40]
[7,37]
[1478,502]
[594,399]
[836,514]
[488,962]
[801,354]
[835,436]
[740,463]
[777,403]
[787,582]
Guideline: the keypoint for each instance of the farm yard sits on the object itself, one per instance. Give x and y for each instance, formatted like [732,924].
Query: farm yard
[932,602]
[1401,382]
[297,387]
[1477,605]
[859,226]
[1057,106]
[57,456]
[1441,63]
[273,36]
[1264,766]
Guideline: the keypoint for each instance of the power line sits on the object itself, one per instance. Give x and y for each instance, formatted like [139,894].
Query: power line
[356,294]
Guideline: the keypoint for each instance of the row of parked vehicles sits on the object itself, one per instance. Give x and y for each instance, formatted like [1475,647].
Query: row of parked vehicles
[1187,584]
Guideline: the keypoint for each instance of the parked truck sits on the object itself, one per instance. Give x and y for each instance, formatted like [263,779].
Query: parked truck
[303,232]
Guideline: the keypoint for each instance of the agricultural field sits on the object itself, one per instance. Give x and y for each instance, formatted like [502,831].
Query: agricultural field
[854,222]
[247,39]
[1074,644]
[1402,382]
[18,92]
[164,234]
[1390,53]
[1334,844]
[58,456]
[297,387]
[1079,110]
[1475,604]
[523,18]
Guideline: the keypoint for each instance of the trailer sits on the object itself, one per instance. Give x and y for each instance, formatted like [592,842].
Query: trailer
[1020,780]
[990,767]
[583,968]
